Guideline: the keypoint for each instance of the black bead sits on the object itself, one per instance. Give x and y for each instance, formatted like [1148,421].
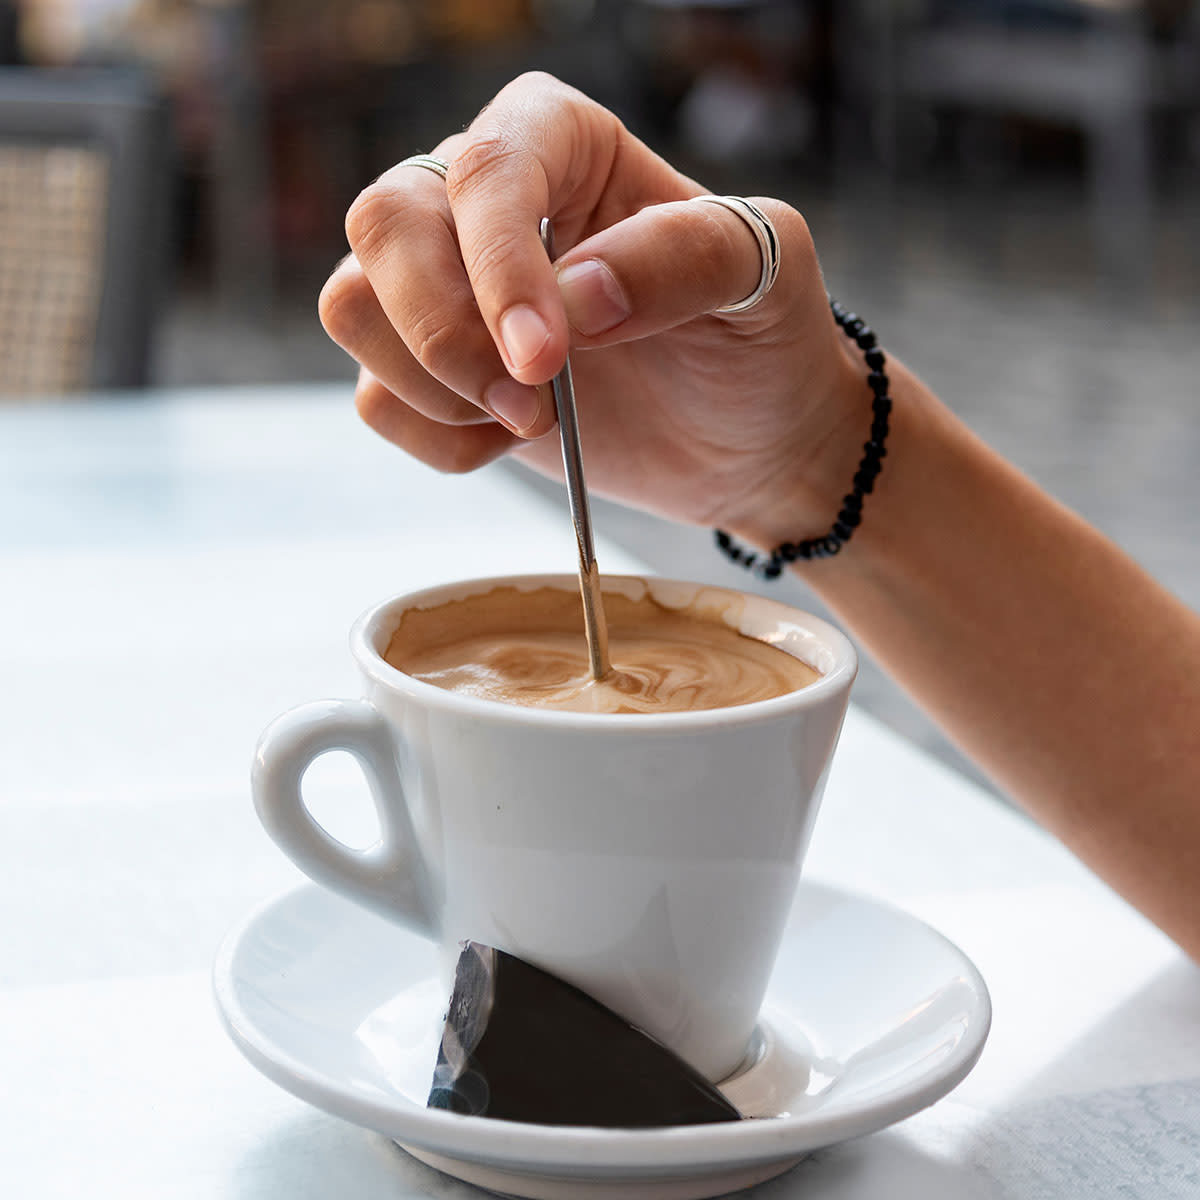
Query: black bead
[874,451]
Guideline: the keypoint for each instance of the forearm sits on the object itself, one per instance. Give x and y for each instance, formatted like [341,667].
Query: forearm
[1043,650]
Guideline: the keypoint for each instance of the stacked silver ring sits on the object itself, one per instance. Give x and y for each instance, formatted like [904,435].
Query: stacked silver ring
[439,166]
[768,247]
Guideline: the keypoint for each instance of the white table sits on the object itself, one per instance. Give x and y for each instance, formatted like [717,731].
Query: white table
[177,569]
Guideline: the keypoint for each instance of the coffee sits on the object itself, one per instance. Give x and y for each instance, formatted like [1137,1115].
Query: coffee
[528,648]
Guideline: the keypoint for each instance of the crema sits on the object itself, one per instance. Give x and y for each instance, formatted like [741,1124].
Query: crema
[528,648]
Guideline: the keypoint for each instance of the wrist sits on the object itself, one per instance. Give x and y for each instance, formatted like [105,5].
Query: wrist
[813,507]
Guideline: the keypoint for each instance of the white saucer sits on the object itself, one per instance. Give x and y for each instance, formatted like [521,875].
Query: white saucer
[870,1017]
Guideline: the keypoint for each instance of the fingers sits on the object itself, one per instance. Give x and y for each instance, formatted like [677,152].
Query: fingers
[457,268]
[449,296]
[406,295]
[454,449]
[354,318]
[671,263]
[543,149]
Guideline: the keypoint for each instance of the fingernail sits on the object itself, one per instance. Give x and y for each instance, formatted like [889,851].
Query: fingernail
[592,297]
[516,404]
[523,333]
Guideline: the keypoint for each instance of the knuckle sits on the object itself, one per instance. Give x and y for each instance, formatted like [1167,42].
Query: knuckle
[538,81]
[713,238]
[796,233]
[791,226]
[482,155]
[491,250]
[432,338]
[344,305]
[453,451]
[372,401]
[374,216]
[460,456]
[548,94]
[714,250]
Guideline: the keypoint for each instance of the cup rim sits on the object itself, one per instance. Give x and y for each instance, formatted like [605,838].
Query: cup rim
[367,629]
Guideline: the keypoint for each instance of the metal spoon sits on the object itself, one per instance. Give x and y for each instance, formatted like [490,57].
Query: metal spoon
[589,574]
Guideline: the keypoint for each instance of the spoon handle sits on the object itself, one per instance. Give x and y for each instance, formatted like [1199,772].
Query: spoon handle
[589,574]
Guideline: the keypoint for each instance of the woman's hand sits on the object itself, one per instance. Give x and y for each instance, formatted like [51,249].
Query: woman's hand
[751,420]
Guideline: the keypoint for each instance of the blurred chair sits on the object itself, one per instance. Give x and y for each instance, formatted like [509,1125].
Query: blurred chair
[1091,65]
[83,201]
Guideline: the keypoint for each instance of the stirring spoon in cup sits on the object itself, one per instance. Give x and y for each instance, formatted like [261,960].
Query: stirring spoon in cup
[594,623]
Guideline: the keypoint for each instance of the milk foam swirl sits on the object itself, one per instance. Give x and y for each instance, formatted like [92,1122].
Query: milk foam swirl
[528,648]
[650,674]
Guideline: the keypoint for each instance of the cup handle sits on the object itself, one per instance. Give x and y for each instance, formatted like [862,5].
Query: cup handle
[389,877]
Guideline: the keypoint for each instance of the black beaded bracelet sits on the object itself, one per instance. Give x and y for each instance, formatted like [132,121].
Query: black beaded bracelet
[770,566]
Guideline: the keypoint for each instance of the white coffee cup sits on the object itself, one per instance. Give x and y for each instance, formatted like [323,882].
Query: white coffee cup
[649,859]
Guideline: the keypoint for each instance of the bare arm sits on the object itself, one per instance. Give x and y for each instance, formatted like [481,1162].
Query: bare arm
[1043,650]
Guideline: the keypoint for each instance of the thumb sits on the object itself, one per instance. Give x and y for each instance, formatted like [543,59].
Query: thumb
[670,263]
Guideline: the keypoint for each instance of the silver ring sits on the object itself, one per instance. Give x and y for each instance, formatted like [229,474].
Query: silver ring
[768,247]
[439,166]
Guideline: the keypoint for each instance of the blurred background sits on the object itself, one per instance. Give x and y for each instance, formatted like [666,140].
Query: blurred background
[1009,190]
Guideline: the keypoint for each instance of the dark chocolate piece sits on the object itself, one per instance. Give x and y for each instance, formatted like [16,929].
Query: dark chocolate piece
[522,1045]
